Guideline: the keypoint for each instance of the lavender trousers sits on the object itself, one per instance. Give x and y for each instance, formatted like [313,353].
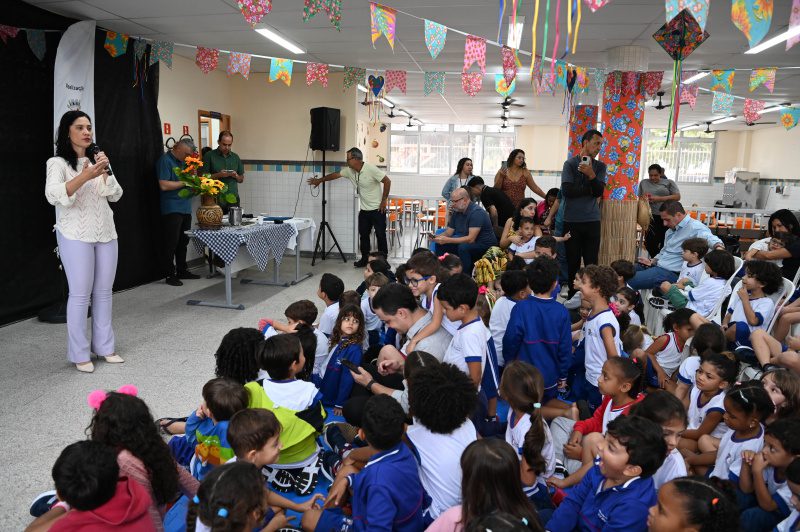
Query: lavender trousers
[90,268]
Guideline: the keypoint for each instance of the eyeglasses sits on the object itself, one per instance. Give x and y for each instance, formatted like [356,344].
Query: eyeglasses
[415,282]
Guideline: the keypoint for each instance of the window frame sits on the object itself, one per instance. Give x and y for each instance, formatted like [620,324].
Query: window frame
[679,141]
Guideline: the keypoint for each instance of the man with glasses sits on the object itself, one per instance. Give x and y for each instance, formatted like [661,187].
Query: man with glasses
[225,165]
[469,232]
[372,186]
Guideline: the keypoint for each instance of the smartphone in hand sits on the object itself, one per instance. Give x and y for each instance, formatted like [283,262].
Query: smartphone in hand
[349,365]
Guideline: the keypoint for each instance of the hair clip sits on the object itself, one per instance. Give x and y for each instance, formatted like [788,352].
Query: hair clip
[614,309]
[196,499]
[96,398]
[482,290]
[635,360]
[222,512]
[537,406]
[524,521]
[442,257]
[741,394]
[714,501]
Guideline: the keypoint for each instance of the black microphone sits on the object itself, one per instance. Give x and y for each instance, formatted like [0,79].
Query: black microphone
[92,150]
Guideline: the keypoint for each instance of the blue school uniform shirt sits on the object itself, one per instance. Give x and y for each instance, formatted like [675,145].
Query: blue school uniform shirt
[387,493]
[589,507]
[210,443]
[539,333]
[337,383]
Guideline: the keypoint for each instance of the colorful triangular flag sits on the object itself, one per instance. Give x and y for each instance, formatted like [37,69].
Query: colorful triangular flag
[353,75]
[116,44]
[206,59]
[762,76]
[239,62]
[471,82]
[139,48]
[383,21]
[503,88]
[753,18]
[722,104]
[434,82]
[281,69]
[161,51]
[317,72]
[435,37]
[789,117]
[509,64]
[254,10]
[475,51]
[395,79]
[7,31]
[752,110]
[794,20]
[332,7]
[698,9]
[722,80]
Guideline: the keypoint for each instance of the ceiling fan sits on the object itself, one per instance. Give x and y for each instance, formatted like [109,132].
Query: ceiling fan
[660,105]
[751,124]
[507,102]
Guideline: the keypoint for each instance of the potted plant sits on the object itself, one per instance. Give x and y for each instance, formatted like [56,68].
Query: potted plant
[209,214]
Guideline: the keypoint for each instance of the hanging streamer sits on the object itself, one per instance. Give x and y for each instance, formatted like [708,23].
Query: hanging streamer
[569,26]
[558,28]
[500,13]
[533,36]
[544,40]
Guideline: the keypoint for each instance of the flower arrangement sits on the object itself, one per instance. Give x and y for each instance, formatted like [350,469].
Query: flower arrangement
[200,185]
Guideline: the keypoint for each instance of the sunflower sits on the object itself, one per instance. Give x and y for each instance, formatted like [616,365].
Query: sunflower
[787,120]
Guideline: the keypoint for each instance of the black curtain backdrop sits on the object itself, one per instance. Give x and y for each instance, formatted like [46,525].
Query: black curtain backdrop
[128,129]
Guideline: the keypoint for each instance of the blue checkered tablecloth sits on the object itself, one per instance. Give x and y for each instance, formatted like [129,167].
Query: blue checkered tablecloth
[263,242]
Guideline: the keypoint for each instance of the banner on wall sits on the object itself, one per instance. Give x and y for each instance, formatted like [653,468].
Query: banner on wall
[73,84]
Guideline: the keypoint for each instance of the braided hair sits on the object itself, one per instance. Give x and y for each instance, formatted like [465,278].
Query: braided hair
[709,503]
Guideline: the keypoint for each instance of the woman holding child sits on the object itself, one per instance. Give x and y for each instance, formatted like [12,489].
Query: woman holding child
[525,209]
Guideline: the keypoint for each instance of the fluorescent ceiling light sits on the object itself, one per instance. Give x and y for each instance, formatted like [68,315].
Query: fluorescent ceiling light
[785,36]
[774,108]
[724,119]
[696,77]
[362,88]
[387,103]
[278,39]
[688,127]
[417,120]
[514,33]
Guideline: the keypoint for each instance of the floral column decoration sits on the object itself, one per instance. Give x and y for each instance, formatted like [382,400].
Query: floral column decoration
[582,118]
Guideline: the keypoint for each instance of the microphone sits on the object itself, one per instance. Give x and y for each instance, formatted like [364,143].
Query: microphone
[92,150]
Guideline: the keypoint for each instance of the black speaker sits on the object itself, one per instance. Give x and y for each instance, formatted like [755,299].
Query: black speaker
[324,129]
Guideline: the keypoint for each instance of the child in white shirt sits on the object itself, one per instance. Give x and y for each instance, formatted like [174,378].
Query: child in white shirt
[330,290]
[692,270]
[372,322]
[779,241]
[515,287]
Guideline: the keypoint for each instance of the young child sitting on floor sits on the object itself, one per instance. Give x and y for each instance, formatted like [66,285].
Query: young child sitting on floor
[665,354]
[330,292]
[372,322]
[346,343]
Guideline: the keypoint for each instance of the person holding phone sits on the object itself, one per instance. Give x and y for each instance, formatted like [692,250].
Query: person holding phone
[583,180]
[225,165]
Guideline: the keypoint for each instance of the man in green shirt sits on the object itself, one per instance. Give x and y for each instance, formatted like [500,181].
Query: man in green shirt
[372,186]
[225,165]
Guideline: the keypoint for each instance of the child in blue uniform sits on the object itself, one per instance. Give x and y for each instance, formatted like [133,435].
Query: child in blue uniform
[346,343]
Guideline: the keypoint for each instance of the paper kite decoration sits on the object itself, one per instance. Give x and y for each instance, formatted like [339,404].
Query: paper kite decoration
[383,21]
[753,18]
[789,117]
[317,72]
[395,79]
[332,7]
[254,10]
[206,59]
[281,69]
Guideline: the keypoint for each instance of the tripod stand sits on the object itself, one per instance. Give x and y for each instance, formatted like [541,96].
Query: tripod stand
[323,250]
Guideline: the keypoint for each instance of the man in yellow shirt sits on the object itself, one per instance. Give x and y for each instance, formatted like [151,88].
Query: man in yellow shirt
[372,186]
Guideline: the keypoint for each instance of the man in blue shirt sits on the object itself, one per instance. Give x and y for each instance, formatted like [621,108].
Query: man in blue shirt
[469,232]
[176,213]
[665,266]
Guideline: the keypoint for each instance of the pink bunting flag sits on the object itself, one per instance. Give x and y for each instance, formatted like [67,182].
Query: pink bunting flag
[650,83]
[475,51]
[317,72]
[239,62]
[395,79]
[509,64]
[689,95]
[594,5]
[254,10]
[794,20]
[752,110]
[630,82]
[471,82]
[7,31]
[383,21]
[206,59]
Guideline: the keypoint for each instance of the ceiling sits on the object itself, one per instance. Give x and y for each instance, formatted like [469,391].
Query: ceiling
[219,24]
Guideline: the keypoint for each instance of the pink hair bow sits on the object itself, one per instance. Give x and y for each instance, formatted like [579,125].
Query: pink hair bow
[96,398]
[482,290]
[614,308]
[441,258]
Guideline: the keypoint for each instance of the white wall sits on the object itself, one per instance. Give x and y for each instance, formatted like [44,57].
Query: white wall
[545,146]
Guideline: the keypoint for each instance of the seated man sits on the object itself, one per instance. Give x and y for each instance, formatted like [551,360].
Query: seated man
[469,232]
[495,201]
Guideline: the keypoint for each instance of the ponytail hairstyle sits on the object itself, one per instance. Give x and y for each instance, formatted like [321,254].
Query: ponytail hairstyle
[522,385]
[677,318]
[752,399]
[633,337]
[708,503]
[227,499]
[632,371]
[789,385]
[450,262]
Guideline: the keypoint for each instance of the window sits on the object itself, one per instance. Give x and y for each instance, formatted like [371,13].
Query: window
[435,149]
[687,159]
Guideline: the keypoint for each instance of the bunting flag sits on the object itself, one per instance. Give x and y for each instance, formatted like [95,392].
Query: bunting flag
[502,87]
[239,63]
[762,76]
[317,72]
[161,51]
[475,51]
[434,82]
[630,82]
[794,20]
[599,77]
[281,69]
[37,43]
[254,10]
[509,64]
[752,110]
[435,37]
[139,48]
[7,31]
[353,75]
[616,82]
[116,43]
[789,117]
[561,73]
[688,94]
[471,83]
[722,80]
[383,21]
[206,59]
[395,79]
[698,9]
[650,83]
[753,18]
[722,103]
[332,7]
[582,80]
[594,5]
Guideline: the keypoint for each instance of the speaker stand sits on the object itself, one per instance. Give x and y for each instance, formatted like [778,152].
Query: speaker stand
[323,249]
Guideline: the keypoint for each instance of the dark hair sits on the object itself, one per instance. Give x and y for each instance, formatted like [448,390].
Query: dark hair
[460,165]
[278,355]
[655,166]
[425,265]
[425,251]
[85,474]
[660,407]
[603,278]
[64,147]
[643,440]
[786,239]
[484,309]
[677,318]
[522,386]
[124,422]
[331,286]
[236,487]
[708,336]
[350,298]
[250,430]
[725,365]
[442,397]
[224,133]
[475,181]
[392,297]
[513,281]
[696,245]
[589,135]
[224,397]
[417,360]
[787,218]
[380,266]
[786,431]
[504,521]
[629,293]
[527,220]
[708,503]
[632,371]
[355,153]
[548,242]
[349,311]
[450,262]
[490,480]
[752,399]
[376,254]
[400,273]
[766,273]
[720,262]
[512,156]
[793,471]
[518,211]
[303,310]
[517,263]
[624,268]
[308,341]
[459,289]
[552,193]
[542,274]
[789,384]
[238,354]
[672,207]
[383,422]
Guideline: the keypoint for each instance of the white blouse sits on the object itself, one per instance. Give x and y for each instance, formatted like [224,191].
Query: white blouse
[86,215]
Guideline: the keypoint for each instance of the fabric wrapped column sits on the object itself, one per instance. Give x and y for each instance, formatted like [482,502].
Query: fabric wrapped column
[582,118]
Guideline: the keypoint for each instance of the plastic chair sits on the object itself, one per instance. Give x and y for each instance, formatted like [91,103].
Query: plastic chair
[393,227]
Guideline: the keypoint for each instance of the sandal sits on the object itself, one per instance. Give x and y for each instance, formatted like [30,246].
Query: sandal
[164,427]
